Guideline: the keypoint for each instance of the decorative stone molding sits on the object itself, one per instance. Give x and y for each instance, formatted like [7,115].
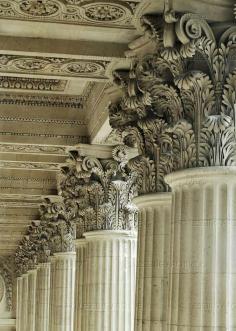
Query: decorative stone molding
[42,100]
[103,189]
[32,149]
[43,120]
[53,66]
[100,13]
[179,104]
[20,83]
[72,139]
[29,165]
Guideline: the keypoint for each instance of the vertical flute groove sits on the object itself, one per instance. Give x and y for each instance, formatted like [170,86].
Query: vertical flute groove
[203,277]
[151,311]
[43,296]
[110,280]
[64,291]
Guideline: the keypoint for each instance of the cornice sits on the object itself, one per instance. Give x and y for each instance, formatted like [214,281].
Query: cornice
[42,100]
[30,165]
[43,120]
[34,149]
[24,180]
[71,138]
[22,204]
[24,197]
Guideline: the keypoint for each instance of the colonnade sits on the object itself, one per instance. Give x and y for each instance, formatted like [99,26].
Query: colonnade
[86,278]
[91,290]
[182,181]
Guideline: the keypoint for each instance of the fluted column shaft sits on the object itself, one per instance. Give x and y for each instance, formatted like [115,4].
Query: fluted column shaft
[80,279]
[203,273]
[32,279]
[110,281]
[24,310]
[19,304]
[43,295]
[153,261]
[64,292]
[52,260]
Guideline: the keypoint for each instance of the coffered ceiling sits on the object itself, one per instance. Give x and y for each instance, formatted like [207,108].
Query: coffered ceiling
[56,64]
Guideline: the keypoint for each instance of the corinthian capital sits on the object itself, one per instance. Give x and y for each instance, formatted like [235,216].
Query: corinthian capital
[60,219]
[178,105]
[103,188]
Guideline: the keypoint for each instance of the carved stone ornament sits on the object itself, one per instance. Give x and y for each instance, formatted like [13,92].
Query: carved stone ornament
[179,104]
[52,66]
[81,12]
[55,232]
[19,83]
[60,220]
[39,7]
[6,280]
[103,190]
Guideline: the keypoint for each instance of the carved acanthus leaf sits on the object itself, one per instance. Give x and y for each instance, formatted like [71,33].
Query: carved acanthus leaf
[103,190]
[190,118]
[8,274]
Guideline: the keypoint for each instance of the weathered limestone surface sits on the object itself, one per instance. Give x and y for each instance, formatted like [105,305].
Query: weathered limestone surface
[111,269]
[153,261]
[32,284]
[43,297]
[24,310]
[64,291]
[52,260]
[80,289]
[19,303]
[202,275]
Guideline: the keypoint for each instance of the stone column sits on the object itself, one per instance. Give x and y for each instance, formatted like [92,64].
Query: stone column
[19,304]
[43,295]
[153,261]
[107,218]
[203,273]
[64,287]
[80,279]
[24,309]
[32,281]
[111,265]
[52,260]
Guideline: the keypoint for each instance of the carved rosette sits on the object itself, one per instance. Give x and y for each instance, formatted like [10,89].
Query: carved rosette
[103,190]
[179,104]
